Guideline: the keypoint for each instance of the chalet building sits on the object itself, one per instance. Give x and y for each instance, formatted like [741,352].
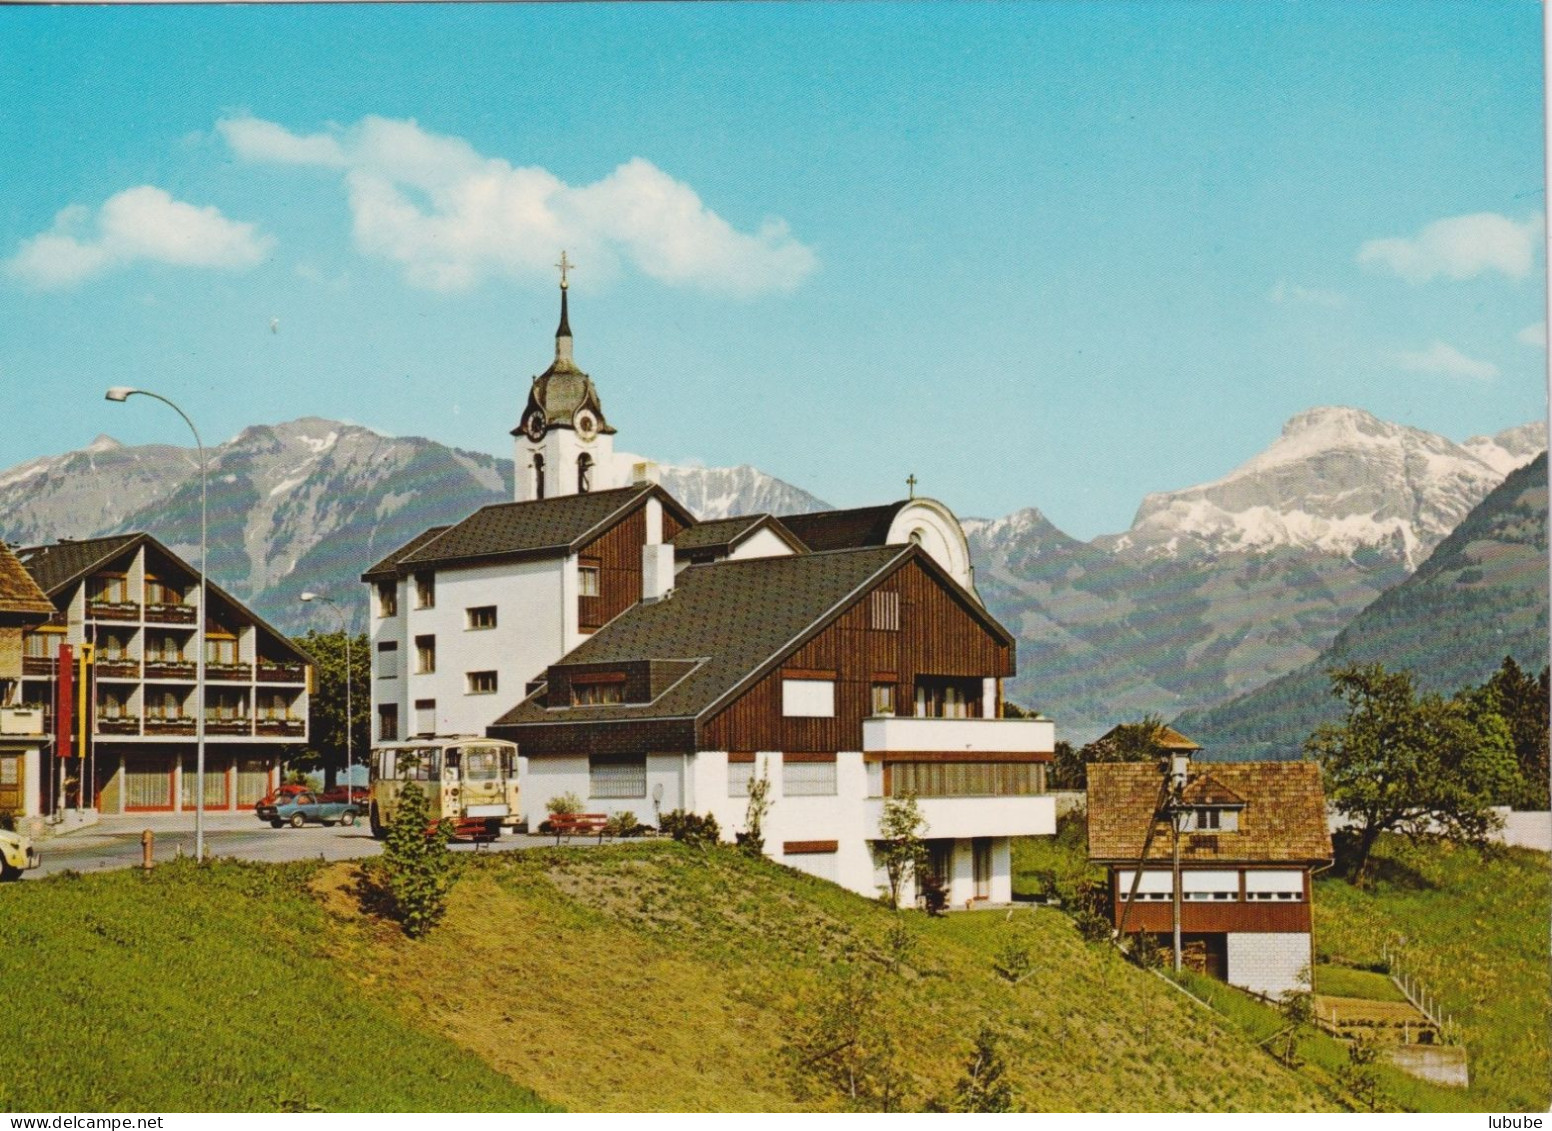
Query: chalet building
[659,663]
[23,607]
[1250,835]
[125,619]
[846,678]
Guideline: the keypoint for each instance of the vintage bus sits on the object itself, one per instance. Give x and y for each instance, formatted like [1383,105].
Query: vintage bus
[470,779]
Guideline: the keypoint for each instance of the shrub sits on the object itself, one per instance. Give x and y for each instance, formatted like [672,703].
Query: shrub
[934,893]
[1146,950]
[1014,961]
[416,867]
[690,828]
[1092,926]
[566,805]
[622,824]
[753,840]
[985,1085]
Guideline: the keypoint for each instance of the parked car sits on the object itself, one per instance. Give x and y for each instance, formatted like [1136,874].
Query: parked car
[356,795]
[275,795]
[16,855]
[298,809]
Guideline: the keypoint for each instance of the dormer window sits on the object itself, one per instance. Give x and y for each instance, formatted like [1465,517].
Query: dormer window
[1212,819]
[599,689]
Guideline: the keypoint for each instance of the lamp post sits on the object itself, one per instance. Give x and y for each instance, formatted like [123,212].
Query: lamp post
[122,393]
[349,718]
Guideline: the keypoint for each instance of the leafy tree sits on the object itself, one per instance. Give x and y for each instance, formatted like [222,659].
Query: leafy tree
[416,865]
[1524,704]
[901,848]
[752,840]
[1129,742]
[326,705]
[985,1085]
[1360,1075]
[1297,1005]
[1407,764]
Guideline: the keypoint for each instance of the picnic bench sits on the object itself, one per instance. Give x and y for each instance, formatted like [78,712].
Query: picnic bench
[570,824]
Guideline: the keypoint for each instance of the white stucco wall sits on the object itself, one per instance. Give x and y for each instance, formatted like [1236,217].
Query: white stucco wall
[761,544]
[529,635]
[1267,963]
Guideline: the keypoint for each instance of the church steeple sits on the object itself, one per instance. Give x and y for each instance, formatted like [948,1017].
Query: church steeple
[563,331]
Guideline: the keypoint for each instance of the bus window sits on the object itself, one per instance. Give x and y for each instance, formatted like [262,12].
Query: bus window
[482,763]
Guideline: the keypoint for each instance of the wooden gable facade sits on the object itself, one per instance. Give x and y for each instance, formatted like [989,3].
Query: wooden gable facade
[616,555]
[938,632]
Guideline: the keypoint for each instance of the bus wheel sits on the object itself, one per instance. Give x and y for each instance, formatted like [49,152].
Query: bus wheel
[493,829]
[376,821]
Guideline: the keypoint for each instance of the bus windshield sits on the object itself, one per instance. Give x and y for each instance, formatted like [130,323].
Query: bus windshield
[481,763]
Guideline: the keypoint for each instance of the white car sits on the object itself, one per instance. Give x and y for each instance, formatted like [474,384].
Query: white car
[16,855]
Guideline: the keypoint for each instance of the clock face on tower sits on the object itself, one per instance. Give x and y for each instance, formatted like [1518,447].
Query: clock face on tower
[586,424]
[534,425]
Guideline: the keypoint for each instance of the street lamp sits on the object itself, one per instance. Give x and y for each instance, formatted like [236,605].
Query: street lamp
[122,393]
[349,718]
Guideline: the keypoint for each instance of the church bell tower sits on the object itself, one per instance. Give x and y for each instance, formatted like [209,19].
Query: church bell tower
[562,443]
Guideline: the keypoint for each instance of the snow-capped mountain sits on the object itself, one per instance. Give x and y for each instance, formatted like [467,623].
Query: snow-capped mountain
[307,504]
[1338,481]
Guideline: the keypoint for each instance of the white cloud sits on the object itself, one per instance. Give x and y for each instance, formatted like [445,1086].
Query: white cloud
[452,217]
[1460,247]
[138,224]
[1447,360]
[1533,335]
[1285,292]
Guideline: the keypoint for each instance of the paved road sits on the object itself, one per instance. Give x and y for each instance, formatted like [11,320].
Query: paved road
[115,842]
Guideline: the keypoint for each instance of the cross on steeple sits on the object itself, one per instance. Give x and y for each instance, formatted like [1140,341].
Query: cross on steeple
[564,265]
[910,481]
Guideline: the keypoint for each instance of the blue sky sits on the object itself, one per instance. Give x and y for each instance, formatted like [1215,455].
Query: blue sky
[1056,255]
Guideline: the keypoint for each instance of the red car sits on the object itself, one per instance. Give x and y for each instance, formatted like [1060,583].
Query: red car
[276,795]
[356,794]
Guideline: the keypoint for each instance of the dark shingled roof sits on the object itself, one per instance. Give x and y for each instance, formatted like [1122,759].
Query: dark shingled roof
[844,530]
[737,618]
[1284,819]
[387,569]
[533,529]
[19,593]
[725,533]
[54,567]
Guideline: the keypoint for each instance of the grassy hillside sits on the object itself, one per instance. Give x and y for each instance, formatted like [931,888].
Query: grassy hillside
[1473,926]
[655,976]
[207,990]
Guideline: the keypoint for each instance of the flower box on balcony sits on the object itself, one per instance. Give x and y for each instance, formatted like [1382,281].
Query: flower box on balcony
[171,614]
[120,724]
[281,727]
[37,665]
[177,725]
[229,672]
[169,669]
[21,720]
[113,610]
[118,669]
[228,726]
[280,673]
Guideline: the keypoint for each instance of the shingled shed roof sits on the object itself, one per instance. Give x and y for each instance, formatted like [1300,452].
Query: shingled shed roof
[537,528]
[844,530]
[1167,738]
[725,534]
[387,569]
[60,565]
[736,620]
[1283,821]
[20,596]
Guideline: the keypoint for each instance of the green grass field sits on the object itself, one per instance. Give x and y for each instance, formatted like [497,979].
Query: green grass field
[207,989]
[1345,981]
[1473,925]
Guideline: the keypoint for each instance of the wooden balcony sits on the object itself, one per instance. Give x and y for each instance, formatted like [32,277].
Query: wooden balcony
[281,728]
[113,610]
[171,614]
[229,673]
[177,724]
[281,673]
[118,669]
[228,726]
[119,724]
[169,669]
[37,665]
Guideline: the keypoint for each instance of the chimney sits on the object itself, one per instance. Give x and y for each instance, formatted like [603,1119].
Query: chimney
[645,472]
[657,571]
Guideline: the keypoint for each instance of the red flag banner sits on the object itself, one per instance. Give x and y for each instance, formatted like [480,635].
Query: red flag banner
[64,701]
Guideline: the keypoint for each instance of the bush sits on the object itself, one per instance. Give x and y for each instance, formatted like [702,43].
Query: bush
[984,1085]
[1146,951]
[1092,926]
[566,805]
[622,824]
[1014,961]
[690,828]
[934,893]
[415,872]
